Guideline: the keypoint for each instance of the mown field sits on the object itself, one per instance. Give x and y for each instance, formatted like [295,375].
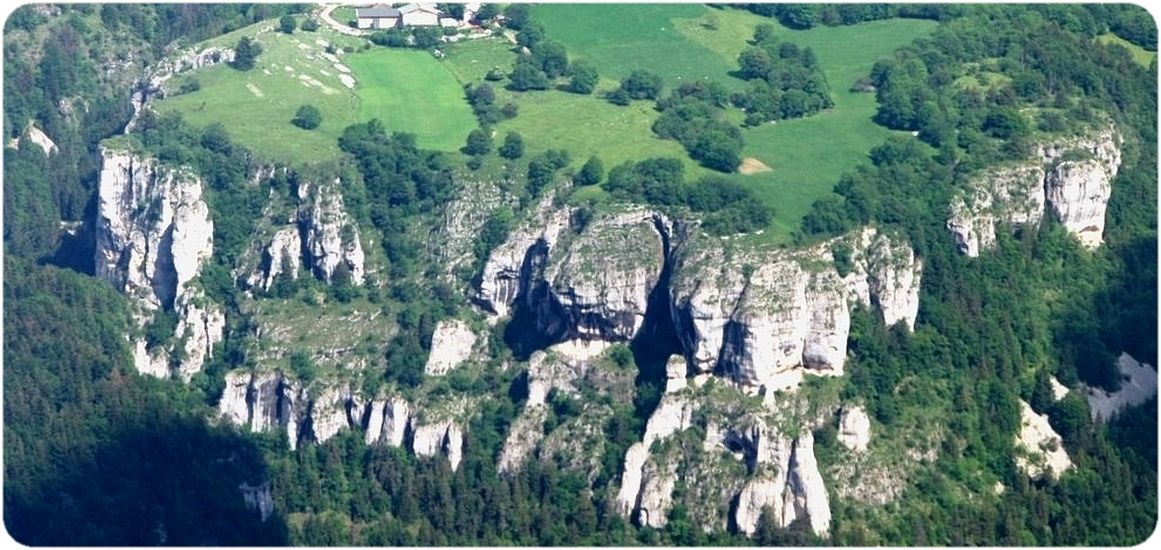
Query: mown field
[408,90]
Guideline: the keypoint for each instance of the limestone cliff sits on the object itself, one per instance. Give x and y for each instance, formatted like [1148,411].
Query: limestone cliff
[766,316]
[1071,177]
[322,237]
[1040,451]
[153,236]
[509,267]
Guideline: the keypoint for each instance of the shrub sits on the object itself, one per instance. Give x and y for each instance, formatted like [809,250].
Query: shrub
[308,117]
[287,24]
[309,25]
[513,147]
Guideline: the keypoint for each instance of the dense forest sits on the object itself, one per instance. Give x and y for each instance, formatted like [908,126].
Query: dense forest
[96,454]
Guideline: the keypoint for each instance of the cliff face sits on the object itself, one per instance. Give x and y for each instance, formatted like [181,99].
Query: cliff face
[321,236]
[764,317]
[1071,177]
[759,317]
[153,235]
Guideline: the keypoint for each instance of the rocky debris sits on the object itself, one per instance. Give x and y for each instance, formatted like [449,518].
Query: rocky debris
[510,266]
[451,345]
[766,316]
[153,235]
[444,437]
[597,285]
[1072,177]
[1040,451]
[331,237]
[1138,385]
[854,428]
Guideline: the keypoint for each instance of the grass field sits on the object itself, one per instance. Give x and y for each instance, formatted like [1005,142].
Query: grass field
[411,92]
[620,38]
[408,90]
[1140,55]
[807,156]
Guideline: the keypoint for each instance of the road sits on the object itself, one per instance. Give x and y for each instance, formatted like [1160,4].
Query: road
[341,28]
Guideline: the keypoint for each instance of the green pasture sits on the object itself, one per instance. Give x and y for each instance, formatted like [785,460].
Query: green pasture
[1140,55]
[408,90]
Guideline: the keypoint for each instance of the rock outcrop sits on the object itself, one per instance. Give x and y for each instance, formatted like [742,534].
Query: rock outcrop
[153,235]
[270,400]
[323,238]
[451,345]
[509,268]
[597,285]
[765,317]
[1071,177]
[1138,385]
[153,86]
[258,498]
[1040,451]
[331,237]
[854,428]
[444,437]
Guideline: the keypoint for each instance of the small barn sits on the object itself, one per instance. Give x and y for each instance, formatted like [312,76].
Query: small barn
[378,17]
[420,15]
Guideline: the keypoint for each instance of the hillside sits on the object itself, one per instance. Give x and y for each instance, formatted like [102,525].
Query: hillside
[561,275]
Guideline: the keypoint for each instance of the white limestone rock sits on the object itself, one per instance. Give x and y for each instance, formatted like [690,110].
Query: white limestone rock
[258,498]
[508,269]
[331,236]
[1040,449]
[656,497]
[153,235]
[283,255]
[523,437]
[806,493]
[444,437]
[451,345]
[854,428]
[1075,187]
[328,412]
[765,315]
[397,419]
[598,284]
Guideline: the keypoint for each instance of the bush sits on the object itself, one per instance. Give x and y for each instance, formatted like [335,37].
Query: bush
[246,54]
[308,117]
[584,78]
[309,25]
[513,147]
[287,24]
[189,86]
[591,173]
[479,142]
[495,75]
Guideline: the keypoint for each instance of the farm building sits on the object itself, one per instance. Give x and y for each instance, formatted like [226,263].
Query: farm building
[418,15]
[411,15]
[378,17]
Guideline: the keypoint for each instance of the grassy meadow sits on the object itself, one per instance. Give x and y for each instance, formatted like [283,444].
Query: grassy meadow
[806,156]
[408,90]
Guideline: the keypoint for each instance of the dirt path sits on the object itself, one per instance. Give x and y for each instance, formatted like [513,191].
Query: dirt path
[325,15]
